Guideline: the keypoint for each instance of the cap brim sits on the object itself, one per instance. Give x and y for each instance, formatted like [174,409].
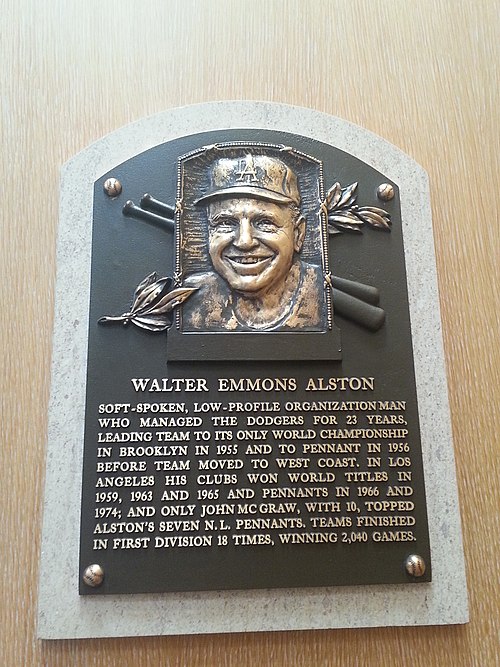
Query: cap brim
[258,193]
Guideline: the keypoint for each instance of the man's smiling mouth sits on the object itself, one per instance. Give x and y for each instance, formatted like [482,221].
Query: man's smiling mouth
[249,263]
[248,259]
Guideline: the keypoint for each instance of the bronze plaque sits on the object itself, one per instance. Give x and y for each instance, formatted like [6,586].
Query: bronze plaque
[251,416]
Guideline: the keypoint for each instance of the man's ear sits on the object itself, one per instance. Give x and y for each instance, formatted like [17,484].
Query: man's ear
[299,233]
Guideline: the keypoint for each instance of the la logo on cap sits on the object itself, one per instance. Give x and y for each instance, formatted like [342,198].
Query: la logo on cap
[247,170]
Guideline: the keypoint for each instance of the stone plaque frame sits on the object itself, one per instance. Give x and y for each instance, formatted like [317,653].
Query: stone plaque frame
[62,612]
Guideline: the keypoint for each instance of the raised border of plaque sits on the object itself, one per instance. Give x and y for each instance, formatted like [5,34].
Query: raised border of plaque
[63,613]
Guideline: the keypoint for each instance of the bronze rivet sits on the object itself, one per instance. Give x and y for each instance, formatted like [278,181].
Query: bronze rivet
[112,187]
[415,565]
[385,192]
[93,575]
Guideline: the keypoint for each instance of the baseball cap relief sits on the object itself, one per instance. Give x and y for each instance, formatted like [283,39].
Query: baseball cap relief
[258,176]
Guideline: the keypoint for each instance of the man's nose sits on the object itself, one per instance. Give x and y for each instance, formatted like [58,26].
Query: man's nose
[245,239]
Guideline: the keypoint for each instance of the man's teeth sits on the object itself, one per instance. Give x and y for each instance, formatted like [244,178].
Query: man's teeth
[247,260]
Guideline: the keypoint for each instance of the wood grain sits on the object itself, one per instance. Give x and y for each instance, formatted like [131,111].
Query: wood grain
[424,75]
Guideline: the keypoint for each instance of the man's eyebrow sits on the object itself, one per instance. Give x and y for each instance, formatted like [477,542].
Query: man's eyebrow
[217,216]
[256,212]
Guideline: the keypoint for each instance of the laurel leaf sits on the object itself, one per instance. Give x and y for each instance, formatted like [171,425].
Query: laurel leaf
[352,230]
[347,223]
[375,209]
[170,300]
[378,219]
[333,195]
[152,294]
[153,322]
[348,197]
[148,280]
[346,217]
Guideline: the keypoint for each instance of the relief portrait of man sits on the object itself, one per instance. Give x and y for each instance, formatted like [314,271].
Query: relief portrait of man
[256,276]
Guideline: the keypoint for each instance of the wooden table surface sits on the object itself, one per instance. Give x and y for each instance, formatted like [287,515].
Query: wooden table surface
[424,75]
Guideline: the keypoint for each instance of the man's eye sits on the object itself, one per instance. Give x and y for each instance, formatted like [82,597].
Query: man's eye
[223,224]
[265,225]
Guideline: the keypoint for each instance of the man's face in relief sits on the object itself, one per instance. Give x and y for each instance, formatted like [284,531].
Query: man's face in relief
[252,242]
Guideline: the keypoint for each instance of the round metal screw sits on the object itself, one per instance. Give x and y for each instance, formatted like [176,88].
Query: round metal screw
[415,565]
[385,192]
[93,575]
[112,187]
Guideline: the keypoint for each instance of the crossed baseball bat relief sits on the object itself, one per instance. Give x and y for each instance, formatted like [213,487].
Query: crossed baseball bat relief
[352,300]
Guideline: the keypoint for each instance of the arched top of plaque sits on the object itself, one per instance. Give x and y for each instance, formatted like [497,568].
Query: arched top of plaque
[139,136]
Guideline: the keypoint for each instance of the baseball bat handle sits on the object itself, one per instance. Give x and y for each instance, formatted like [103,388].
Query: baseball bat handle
[133,211]
[369,316]
[364,292]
